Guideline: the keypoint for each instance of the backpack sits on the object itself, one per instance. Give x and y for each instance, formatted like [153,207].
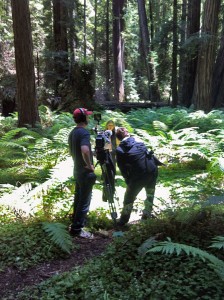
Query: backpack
[135,161]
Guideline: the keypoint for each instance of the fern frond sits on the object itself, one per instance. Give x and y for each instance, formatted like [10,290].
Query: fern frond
[218,242]
[160,126]
[142,250]
[42,143]
[62,136]
[168,247]
[59,235]
[11,134]
[6,144]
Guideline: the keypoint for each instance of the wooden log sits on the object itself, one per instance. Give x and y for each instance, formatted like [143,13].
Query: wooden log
[127,106]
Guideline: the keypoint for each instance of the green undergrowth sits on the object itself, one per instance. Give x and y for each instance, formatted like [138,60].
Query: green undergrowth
[23,245]
[122,273]
[190,143]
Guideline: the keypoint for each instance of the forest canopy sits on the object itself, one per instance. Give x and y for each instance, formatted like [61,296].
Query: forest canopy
[77,53]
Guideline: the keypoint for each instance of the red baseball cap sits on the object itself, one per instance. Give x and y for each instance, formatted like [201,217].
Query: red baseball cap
[81,111]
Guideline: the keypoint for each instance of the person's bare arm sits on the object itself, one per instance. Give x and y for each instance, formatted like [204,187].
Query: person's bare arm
[87,158]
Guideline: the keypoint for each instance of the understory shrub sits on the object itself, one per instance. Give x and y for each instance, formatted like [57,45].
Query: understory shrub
[150,276]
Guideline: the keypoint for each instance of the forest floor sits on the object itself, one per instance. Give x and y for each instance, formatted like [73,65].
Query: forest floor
[13,281]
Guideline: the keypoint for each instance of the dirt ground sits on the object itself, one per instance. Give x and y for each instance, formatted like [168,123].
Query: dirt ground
[13,281]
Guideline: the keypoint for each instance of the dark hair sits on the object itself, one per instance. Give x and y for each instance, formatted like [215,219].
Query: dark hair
[80,118]
[121,133]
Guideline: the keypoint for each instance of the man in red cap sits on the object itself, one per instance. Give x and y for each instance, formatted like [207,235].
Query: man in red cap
[80,150]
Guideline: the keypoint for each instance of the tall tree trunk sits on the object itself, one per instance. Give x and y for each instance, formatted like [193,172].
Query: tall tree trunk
[144,31]
[152,84]
[174,57]
[84,34]
[118,48]
[49,48]
[191,59]
[218,78]
[71,37]
[206,58]
[151,19]
[182,41]
[60,16]
[107,45]
[26,93]
[95,41]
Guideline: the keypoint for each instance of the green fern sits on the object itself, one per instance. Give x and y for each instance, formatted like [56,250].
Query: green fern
[168,247]
[59,235]
[218,242]
[149,243]
[15,133]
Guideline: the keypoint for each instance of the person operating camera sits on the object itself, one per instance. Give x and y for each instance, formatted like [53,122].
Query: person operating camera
[110,125]
[81,152]
[139,169]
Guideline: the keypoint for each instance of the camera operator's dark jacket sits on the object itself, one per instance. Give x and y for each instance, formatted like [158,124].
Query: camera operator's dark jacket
[134,160]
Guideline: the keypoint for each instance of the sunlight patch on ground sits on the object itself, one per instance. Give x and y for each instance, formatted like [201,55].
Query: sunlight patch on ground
[161,201]
[26,199]
[29,200]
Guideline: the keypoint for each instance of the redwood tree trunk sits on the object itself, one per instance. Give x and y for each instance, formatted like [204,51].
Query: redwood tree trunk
[71,37]
[26,93]
[84,33]
[146,45]
[218,78]
[174,57]
[60,16]
[206,58]
[118,49]
[107,46]
[145,42]
[191,59]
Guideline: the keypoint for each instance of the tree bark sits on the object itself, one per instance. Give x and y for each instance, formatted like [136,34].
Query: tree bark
[218,78]
[145,42]
[174,57]
[71,37]
[118,50]
[183,28]
[203,81]
[84,33]
[107,46]
[60,16]
[146,45]
[190,58]
[26,92]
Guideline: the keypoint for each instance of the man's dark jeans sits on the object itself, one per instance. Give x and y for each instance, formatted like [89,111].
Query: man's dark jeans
[82,199]
[134,186]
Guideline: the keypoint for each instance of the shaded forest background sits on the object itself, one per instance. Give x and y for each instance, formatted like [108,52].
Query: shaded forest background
[56,55]
[67,53]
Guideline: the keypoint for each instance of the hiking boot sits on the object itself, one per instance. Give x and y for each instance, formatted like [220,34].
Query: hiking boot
[82,234]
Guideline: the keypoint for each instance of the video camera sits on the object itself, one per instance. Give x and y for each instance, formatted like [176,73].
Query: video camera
[102,141]
[102,150]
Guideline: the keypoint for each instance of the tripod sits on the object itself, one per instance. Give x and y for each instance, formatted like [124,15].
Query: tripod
[108,176]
